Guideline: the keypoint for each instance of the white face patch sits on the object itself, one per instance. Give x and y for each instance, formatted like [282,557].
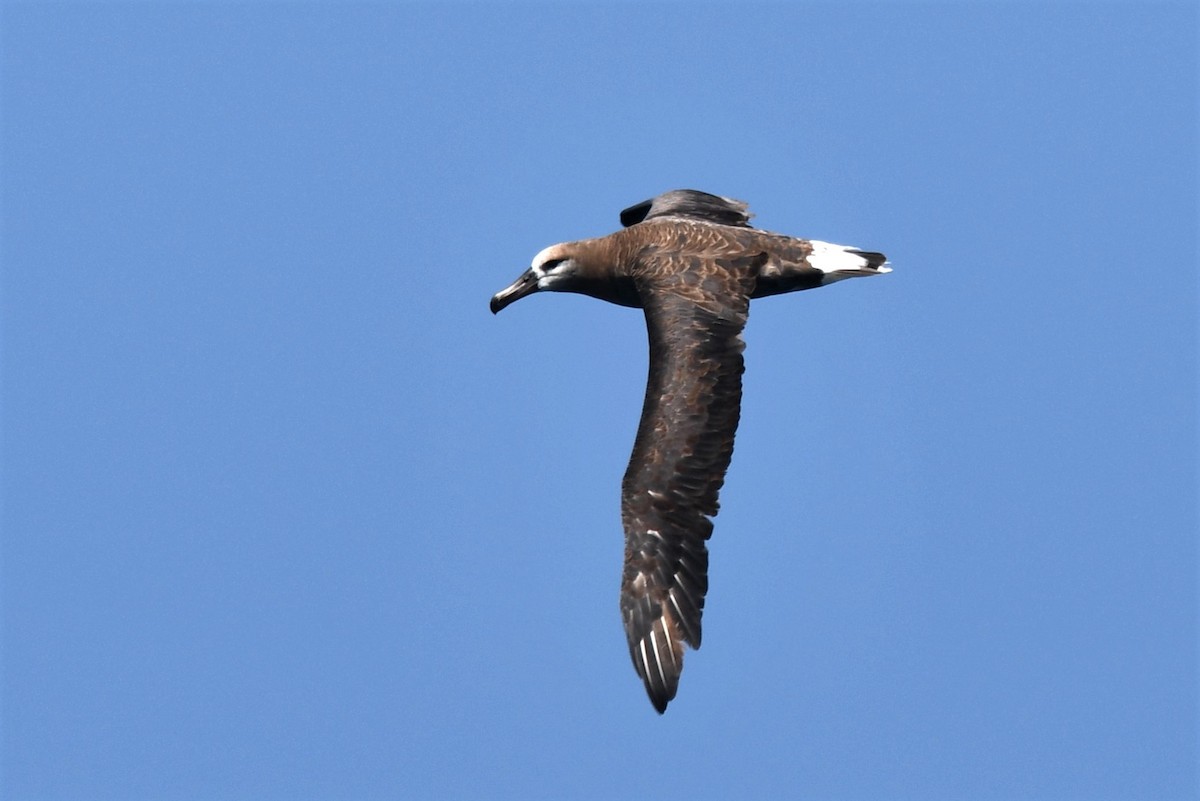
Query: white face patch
[544,255]
[550,259]
[560,266]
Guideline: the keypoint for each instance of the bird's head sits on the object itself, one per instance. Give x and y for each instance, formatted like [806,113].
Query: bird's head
[552,269]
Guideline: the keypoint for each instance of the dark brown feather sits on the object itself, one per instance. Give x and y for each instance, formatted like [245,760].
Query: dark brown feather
[689,203]
[695,311]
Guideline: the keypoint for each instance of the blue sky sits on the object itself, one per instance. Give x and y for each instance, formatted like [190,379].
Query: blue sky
[288,514]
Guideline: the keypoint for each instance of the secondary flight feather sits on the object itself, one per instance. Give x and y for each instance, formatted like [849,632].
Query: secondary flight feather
[693,263]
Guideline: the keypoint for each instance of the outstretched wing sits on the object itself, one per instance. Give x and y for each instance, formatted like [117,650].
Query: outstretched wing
[692,204]
[694,314]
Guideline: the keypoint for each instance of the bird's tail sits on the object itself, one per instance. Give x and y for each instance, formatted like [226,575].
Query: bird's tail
[838,261]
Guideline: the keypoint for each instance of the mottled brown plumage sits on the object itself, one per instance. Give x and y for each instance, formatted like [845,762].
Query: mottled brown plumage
[693,263]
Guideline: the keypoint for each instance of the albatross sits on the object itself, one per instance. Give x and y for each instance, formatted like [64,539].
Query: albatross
[693,263]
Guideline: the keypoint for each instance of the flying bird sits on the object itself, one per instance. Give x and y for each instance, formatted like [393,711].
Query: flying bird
[693,263]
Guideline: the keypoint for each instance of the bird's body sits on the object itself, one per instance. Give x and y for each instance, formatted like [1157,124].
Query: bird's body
[693,263]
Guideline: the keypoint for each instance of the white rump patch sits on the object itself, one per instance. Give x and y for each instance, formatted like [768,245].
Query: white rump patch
[840,261]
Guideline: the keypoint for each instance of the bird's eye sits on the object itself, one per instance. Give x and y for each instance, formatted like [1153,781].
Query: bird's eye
[550,265]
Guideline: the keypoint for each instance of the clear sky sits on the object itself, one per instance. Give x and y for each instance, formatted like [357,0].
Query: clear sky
[288,514]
